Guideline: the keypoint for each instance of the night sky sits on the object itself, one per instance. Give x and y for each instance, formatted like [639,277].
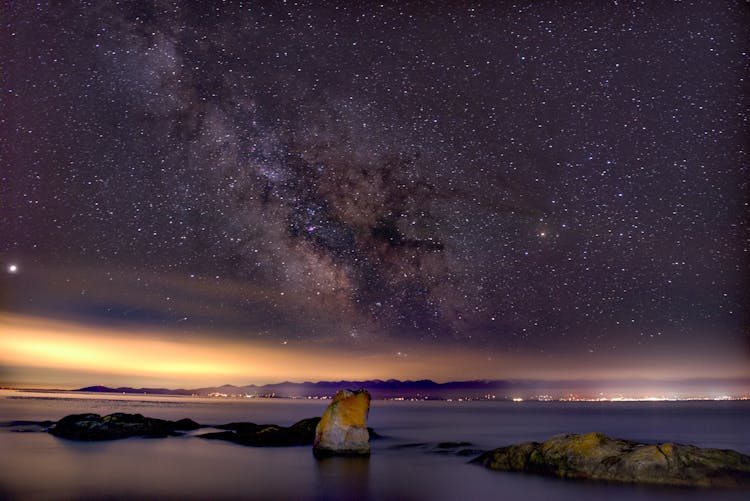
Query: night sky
[508,186]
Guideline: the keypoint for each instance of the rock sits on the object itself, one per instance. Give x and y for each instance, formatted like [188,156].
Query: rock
[342,431]
[27,426]
[120,425]
[266,435]
[186,424]
[598,457]
[452,445]
[456,449]
[117,425]
[443,448]
[373,434]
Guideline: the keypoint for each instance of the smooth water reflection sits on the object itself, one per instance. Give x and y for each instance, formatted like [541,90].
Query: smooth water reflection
[343,478]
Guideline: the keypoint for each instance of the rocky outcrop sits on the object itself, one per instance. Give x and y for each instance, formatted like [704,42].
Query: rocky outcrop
[267,435]
[598,457]
[117,425]
[342,431]
[120,425]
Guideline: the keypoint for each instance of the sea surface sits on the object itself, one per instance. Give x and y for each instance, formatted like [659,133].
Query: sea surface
[405,464]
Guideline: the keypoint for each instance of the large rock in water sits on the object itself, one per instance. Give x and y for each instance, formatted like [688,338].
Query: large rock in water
[117,425]
[598,457]
[342,431]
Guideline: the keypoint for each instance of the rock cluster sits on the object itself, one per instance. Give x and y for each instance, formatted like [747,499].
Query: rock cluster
[342,431]
[267,435]
[598,457]
[92,427]
[117,425]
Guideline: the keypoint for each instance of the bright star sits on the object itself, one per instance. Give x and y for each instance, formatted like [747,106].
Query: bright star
[12,268]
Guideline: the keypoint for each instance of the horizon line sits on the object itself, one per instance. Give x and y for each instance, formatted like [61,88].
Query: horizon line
[522,381]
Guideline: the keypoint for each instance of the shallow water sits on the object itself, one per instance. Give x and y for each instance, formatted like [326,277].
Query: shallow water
[36,465]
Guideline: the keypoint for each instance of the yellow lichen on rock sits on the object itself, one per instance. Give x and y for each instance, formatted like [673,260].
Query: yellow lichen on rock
[667,449]
[588,444]
[353,409]
[597,457]
[579,446]
[343,428]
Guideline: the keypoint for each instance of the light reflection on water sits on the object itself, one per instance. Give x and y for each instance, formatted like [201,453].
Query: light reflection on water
[39,466]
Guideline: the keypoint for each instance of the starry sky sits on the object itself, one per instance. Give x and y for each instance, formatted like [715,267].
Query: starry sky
[426,189]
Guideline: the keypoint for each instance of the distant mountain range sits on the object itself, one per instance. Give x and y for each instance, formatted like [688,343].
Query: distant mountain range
[428,389]
[379,389]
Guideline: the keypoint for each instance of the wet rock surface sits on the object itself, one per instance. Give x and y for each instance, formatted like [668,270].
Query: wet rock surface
[93,427]
[595,456]
[342,431]
[266,435]
[116,426]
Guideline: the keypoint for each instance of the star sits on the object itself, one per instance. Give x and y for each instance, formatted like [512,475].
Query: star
[322,185]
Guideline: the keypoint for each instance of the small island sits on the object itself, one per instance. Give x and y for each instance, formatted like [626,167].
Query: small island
[595,456]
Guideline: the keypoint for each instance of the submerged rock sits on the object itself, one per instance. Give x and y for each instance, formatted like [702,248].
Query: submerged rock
[444,448]
[27,426]
[117,425]
[266,435]
[342,431]
[598,457]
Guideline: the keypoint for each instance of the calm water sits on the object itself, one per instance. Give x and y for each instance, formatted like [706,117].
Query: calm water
[36,465]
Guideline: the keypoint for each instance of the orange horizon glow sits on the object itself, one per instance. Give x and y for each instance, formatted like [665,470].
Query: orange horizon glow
[54,353]
[44,345]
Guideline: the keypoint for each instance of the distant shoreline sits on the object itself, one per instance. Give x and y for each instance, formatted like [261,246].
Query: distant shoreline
[240,397]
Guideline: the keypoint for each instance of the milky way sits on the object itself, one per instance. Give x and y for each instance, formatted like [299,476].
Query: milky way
[532,176]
